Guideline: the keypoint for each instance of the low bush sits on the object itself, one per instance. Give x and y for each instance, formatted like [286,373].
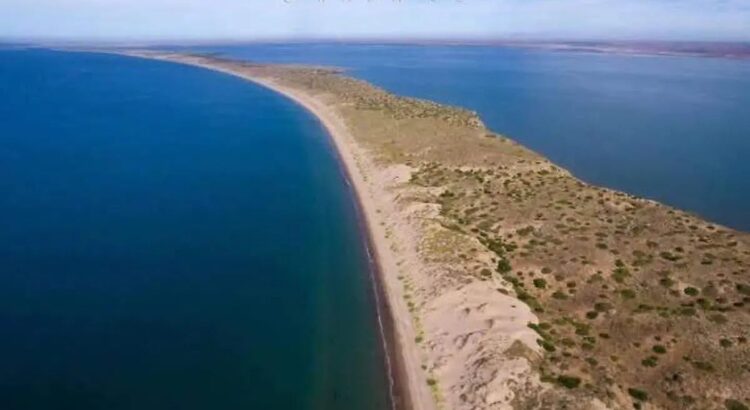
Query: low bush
[627,293]
[570,382]
[548,346]
[650,361]
[666,282]
[503,265]
[691,291]
[559,295]
[638,394]
[732,404]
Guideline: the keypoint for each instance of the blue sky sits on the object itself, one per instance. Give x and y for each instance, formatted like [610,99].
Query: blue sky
[265,19]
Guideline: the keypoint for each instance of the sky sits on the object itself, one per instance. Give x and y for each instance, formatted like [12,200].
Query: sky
[197,20]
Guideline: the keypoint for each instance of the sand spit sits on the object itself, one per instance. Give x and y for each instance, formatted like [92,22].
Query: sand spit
[508,283]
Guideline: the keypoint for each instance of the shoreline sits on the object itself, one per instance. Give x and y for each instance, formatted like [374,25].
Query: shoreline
[398,389]
[407,391]
[402,381]
[507,281]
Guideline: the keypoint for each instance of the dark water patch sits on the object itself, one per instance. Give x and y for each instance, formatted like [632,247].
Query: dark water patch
[174,238]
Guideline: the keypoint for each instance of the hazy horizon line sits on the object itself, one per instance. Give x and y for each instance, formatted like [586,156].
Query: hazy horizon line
[361,39]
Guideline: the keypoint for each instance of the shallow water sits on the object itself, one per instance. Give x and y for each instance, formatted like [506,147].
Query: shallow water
[174,238]
[674,129]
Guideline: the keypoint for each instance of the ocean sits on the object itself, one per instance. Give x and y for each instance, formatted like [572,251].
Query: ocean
[174,238]
[671,129]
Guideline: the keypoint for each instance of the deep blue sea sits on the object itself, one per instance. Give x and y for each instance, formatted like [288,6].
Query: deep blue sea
[673,129]
[174,238]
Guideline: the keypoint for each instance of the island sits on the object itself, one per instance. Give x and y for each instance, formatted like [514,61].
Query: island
[507,282]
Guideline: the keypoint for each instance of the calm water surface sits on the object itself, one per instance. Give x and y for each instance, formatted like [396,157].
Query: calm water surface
[674,129]
[174,238]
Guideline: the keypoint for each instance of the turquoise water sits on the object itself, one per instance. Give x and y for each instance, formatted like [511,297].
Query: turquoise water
[674,129]
[174,238]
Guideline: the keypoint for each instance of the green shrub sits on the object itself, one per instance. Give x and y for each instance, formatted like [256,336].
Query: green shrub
[638,394]
[732,404]
[691,291]
[548,346]
[627,293]
[620,273]
[539,329]
[670,256]
[503,265]
[540,283]
[659,349]
[582,329]
[559,295]
[666,282]
[570,382]
[703,303]
[650,361]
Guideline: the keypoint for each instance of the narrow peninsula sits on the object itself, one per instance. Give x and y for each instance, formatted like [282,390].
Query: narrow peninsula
[510,283]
